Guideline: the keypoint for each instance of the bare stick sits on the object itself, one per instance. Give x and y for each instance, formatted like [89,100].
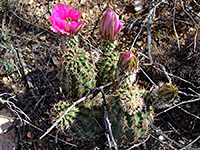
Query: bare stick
[187,112]
[150,21]
[136,37]
[176,105]
[164,143]
[107,123]
[191,143]
[195,37]
[147,76]
[48,134]
[164,70]
[11,106]
[196,3]
[188,14]
[175,76]
[174,13]
[161,133]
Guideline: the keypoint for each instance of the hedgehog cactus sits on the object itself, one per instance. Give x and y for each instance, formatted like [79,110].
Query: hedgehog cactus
[130,120]
[72,42]
[168,92]
[127,63]
[58,109]
[77,72]
[107,46]
[163,95]
[88,124]
[107,67]
[131,99]
[80,122]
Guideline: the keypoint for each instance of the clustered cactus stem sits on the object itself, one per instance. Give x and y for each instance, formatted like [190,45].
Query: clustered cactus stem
[79,72]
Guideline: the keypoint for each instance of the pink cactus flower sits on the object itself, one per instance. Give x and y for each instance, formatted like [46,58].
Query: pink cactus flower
[127,63]
[65,20]
[110,25]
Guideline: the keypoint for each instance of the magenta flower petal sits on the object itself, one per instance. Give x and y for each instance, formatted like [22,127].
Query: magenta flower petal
[110,25]
[65,20]
[57,29]
[75,15]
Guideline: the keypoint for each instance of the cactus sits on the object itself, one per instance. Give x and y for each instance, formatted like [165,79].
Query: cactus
[107,46]
[82,122]
[163,95]
[129,118]
[131,99]
[127,65]
[107,66]
[58,109]
[75,71]
[168,92]
[87,125]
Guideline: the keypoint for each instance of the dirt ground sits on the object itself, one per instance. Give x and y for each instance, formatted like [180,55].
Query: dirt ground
[29,52]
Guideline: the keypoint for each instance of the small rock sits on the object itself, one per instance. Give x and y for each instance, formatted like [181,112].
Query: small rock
[137,5]
[8,140]
[43,38]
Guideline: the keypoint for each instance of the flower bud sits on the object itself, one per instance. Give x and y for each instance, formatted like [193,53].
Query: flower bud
[168,92]
[110,26]
[127,63]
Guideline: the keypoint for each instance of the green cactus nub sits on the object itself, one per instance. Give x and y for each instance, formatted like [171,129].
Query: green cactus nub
[163,95]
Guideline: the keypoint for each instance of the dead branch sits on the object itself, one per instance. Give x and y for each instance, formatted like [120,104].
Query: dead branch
[109,133]
[176,105]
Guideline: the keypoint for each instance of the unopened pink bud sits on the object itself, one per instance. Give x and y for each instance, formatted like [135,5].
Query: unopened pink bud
[110,26]
[127,63]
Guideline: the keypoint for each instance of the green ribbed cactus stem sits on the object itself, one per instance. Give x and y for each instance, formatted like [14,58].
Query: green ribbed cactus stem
[141,122]
[58,109]
[107,46]
[76,70]
[72,42]
[107,66]
[88,124]
[116,116]
[129,118]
